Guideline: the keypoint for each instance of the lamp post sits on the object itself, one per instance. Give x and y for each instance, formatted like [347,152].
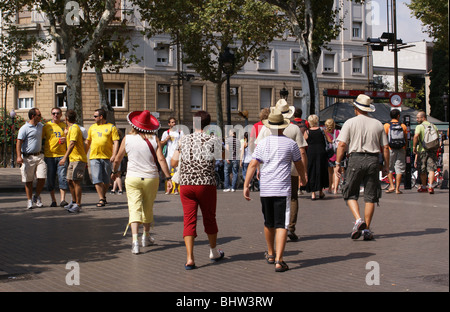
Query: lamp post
[12,114]
[227,59]
[445,102]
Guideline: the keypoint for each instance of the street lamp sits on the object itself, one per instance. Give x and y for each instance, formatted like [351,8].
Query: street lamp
[445,102]
[12,114]
[227,59]
[284,93]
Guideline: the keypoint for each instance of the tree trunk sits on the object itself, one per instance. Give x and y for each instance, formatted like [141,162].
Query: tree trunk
[74,67]
[104,103]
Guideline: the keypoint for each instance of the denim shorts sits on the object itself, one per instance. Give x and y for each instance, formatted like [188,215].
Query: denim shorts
[100,171]
[55,170]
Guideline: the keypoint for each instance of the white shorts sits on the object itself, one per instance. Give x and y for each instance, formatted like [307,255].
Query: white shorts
[33,166]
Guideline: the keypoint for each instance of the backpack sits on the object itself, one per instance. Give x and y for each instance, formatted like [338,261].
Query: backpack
[301,124]
[396,137]
[430,137]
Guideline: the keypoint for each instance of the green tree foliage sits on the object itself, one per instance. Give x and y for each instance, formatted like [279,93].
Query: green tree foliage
[204,28]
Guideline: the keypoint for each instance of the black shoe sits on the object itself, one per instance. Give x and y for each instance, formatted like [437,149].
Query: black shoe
[292,236]
[53,204]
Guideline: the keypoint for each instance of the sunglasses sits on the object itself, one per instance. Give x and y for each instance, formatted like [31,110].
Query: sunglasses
[95,116]
[56,113]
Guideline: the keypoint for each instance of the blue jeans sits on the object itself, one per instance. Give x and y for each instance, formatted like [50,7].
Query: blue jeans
[53,170]
[244,170]
[100,171]
[233,167]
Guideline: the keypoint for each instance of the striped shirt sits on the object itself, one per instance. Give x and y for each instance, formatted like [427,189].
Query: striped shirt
[276,154]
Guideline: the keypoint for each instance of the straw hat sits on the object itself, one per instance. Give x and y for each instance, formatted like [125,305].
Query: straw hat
[143,121]
[364,103]
[285,109]
[276,120]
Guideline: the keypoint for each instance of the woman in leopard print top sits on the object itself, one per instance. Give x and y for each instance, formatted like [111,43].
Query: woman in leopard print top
[197,152]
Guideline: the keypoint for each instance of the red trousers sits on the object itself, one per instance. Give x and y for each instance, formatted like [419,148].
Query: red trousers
[205,197]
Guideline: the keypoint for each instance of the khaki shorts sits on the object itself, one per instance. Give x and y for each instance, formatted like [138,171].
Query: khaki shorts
[427,161]
[397,160]
[33,166]
[76,170]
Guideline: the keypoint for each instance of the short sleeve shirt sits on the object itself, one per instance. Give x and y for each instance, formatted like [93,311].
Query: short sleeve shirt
[172,144]
[293,132]
[31,137]
[387,127]
[276,154]
[420,129]
[102,138]
[363,134]
[78,153]
[198,152]
[51,134]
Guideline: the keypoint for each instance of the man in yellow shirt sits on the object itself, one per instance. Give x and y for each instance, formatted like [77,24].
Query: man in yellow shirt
[76,154]
[54,150]
[103,142]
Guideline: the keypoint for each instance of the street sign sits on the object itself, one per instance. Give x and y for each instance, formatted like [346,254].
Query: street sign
[395,100]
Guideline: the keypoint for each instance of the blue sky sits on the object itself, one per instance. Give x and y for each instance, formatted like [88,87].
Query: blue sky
[409,29]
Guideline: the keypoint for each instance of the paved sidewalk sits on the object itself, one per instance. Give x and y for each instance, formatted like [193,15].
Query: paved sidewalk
[411,249]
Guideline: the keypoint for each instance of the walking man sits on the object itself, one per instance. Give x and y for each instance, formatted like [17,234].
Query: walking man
[364,139]
[294,132]
[55,148]
[30,157]
[397,136]
[275,153]
[103,142]
[76,154]
[426,160]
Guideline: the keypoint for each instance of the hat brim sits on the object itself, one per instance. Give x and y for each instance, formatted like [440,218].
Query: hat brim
[365,108]
[289,114]
[153,126]
[284,125]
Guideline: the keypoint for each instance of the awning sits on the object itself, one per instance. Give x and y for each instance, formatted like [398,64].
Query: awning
[340,112]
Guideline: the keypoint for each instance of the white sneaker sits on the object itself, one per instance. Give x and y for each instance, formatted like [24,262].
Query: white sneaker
[135,248]
[67,207]
[74,209]
[227,190]
[233,190]
[147,241]
[29,204]
[37,200]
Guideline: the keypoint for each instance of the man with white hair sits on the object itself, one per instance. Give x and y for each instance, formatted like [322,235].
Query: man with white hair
[364,139]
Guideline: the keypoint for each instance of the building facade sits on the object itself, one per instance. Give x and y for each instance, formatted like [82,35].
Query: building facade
[152,83]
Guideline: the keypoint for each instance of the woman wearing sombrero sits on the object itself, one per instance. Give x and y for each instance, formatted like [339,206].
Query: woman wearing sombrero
[145,160]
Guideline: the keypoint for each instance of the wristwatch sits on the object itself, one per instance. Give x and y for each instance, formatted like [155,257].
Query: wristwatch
[114,172]
[337,163]
[169,178]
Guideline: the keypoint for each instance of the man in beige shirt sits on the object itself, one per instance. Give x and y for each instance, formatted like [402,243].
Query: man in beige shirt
[364,139]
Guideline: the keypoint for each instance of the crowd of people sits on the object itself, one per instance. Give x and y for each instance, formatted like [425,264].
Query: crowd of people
[287,154]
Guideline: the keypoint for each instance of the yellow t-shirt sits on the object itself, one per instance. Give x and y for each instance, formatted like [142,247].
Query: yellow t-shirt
[51,134]
[78,153]
[102,138]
